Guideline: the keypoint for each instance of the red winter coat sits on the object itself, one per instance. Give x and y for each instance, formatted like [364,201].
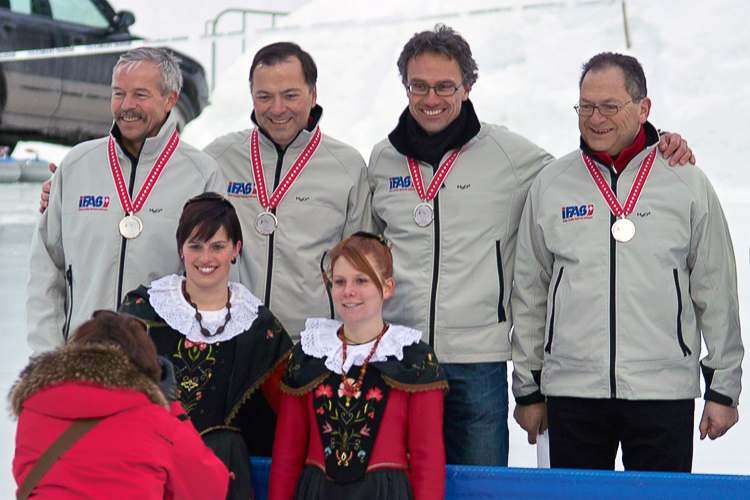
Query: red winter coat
[138,451]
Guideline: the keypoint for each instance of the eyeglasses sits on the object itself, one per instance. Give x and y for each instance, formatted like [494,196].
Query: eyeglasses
[604,109]
[441,89]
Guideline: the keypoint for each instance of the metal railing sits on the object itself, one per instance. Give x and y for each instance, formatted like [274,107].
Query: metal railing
[210,30]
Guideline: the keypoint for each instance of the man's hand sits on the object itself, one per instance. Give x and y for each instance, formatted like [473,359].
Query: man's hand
[532,419]
[675,146]
[717,419]
[44,202]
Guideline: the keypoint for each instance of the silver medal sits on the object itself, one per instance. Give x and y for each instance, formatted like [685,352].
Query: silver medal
[130,226]
[623,230]
[423,214]
[266,223]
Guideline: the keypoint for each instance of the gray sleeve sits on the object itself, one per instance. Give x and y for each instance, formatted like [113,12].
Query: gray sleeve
[713,289]
[46,299]
[531,280]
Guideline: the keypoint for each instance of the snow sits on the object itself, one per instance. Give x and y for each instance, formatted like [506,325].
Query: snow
[696,56]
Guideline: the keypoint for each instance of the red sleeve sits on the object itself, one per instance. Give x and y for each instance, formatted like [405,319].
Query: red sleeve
[270,388]
[196,473]
[426,449]
[289,447]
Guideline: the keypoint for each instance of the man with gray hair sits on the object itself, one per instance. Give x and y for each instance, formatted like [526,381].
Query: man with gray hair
[448,192]
[114,204]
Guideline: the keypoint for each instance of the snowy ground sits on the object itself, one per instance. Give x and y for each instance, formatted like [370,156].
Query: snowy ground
[697,60]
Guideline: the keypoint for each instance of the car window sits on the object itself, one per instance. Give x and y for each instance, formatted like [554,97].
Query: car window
[21,6]
[78,12]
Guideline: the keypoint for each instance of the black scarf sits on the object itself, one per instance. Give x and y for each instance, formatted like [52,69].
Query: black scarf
[412,141]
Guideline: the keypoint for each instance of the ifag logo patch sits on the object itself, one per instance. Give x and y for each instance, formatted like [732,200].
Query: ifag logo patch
[87,202]
[402,183]
[241,190]
[577,212]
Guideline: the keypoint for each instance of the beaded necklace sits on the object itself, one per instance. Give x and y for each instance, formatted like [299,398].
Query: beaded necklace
[352,389]
[198,316]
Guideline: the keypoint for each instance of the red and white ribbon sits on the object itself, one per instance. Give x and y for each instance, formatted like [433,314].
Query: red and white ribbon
[289,178]
[635,191]
[129,206]
[437,180]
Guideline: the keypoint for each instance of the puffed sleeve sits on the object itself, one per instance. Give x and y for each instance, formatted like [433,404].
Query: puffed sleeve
[425,441]
[290,446]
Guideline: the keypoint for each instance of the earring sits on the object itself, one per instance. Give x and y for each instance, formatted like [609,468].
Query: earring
[234,260]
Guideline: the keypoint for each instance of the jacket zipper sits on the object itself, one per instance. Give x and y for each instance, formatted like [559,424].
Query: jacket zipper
[435,270]
[551,329]
[124,245]
[69,279]
[501,318]
[685,349]
[612,296]
[269,266]
[328,286]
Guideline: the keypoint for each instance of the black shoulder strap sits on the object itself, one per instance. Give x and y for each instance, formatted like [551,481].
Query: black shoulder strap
[73,433]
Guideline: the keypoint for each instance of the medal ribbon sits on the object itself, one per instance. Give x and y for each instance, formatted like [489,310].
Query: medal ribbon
[114,164]
[635,191]
[437,180]
[289,178]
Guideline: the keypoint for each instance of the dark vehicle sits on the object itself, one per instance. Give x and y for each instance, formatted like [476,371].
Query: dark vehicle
[65,100]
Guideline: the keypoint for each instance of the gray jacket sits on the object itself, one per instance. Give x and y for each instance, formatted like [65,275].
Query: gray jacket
[326,203]
[603,319]
[79,263]
[454,276]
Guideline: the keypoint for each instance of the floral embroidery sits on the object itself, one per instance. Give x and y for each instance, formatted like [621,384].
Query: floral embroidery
[374,393]
[193,364]
[348,423]
[323,390]
[347,390]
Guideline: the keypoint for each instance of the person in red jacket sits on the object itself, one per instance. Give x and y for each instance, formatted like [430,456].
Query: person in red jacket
[141,449]
[362,411]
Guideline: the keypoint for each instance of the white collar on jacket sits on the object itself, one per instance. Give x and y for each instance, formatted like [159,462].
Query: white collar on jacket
[165,296]
[319,339]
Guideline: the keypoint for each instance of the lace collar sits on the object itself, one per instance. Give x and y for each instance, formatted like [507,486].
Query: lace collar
[319,340]
[165,296]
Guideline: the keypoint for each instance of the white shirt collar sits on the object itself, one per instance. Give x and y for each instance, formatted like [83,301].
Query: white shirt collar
[165,296]
[319,340]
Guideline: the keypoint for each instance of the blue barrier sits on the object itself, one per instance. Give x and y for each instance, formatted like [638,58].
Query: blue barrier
[501,483]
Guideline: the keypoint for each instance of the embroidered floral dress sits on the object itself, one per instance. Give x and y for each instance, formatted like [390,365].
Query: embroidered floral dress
[382,441]
[218,376]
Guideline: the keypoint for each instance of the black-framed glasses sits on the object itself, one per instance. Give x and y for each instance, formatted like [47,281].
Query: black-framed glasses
[441,89]
[604,109]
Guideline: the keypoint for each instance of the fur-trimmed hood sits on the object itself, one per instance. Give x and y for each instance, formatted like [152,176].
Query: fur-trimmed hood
[92,364]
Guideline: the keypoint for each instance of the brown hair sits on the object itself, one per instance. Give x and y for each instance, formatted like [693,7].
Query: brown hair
[355,249]
[204,215]
[123,331]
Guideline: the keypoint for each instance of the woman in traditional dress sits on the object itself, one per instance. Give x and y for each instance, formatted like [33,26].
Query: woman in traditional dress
[362,411]
[224,344]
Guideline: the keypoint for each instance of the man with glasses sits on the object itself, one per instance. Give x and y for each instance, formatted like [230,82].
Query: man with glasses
[114,204]
[613,294]
[448,192]
[297,191]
